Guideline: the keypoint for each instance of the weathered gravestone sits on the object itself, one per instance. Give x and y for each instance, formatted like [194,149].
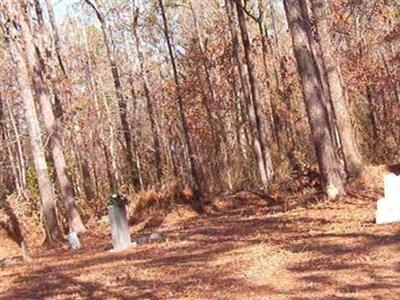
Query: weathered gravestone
[121,238]
[73,241]
[388,208]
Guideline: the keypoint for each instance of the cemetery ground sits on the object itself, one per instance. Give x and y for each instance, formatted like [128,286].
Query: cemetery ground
[243,247]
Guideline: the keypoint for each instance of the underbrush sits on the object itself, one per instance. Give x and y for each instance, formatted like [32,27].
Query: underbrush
[171,203]
[20,224]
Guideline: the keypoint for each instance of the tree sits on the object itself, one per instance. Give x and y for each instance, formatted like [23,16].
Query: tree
[259,142]
[36,62]
[17,31]
[351,153]
[122,105]
[315,102]
[184,127]
[149,99]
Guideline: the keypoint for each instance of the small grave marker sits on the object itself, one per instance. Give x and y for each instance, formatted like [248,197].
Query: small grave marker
[73,241]
[388,208]
[117,213]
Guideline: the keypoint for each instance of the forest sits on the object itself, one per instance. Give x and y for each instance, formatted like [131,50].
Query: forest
[250,138]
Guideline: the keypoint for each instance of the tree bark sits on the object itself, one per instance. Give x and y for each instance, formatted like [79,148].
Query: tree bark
[56,36]
[36,61]
[351,153]
[58,107]
[314,100]
[262,150]
[7,183]
[20,151]
[45,188]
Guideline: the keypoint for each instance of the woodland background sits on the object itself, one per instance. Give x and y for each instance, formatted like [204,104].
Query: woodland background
[190,99]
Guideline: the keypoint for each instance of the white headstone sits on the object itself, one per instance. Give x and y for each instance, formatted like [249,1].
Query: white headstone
[388,208]
[392,187]
[119,227]
[73,241]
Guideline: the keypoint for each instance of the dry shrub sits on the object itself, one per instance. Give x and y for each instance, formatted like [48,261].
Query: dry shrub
[373,176]
[24,209]
[158,203]
[298,188]
[237,176]
[27,209]
[370,184]
[242,200]
[89,210]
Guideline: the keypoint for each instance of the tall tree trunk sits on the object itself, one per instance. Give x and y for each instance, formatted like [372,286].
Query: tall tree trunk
[16,50]
[274,119]
[265,161]
[20,151]
[58,107]
[56,37]
[6,157]
[210,87]
[185,130]
[351,153]
[246,91]
[52,129]
[317,54]
[122,105]
[149,104]
[372,112]
[101,131]
[314,100]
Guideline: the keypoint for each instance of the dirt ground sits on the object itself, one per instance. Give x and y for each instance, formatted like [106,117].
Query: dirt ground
[242,249]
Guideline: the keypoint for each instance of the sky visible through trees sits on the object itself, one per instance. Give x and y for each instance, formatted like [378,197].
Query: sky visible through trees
[190,99]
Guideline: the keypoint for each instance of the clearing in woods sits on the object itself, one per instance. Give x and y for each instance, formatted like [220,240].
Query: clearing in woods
[243,249]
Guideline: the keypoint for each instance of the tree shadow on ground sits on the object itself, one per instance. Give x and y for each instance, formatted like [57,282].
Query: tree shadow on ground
[336,265]
[184,260]
[350,265]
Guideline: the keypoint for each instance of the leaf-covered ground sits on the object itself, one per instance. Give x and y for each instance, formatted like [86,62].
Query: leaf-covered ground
[242,249]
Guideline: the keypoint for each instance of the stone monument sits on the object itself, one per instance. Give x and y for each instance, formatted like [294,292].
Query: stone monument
[73,241]
[388,208]
[117,213]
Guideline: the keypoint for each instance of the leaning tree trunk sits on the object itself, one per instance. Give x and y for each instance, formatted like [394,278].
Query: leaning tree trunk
[314,100]
[351,153]
[36,61]
[56,37]
[22,76]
